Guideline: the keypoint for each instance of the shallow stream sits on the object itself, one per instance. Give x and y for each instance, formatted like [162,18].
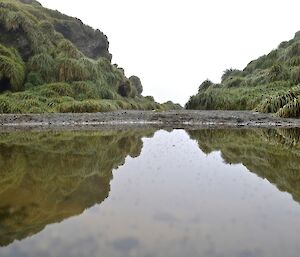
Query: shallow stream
[148,193]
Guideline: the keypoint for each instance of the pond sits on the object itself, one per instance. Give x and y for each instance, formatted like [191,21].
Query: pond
[148,193]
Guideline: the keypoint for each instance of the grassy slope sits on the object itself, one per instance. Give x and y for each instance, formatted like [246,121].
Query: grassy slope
[268,84]
[41,70]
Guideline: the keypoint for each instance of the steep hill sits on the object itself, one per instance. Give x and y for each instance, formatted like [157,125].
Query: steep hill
[50,62]
[268,84]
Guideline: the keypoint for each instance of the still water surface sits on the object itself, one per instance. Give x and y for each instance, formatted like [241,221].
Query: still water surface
[149,193]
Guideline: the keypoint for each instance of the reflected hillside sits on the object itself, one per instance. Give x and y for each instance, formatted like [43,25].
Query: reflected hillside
[271,154]
[48,177]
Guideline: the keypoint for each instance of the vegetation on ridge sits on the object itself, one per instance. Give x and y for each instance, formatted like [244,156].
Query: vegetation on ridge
[269,84]
[50,62]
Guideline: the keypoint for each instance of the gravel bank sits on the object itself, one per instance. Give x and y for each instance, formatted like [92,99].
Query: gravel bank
[126,119]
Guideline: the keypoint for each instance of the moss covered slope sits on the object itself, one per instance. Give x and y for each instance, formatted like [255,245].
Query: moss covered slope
[50,62]
[268,84]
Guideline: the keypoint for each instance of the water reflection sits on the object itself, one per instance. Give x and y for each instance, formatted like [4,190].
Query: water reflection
[271,154]
[48,177]
[173,200]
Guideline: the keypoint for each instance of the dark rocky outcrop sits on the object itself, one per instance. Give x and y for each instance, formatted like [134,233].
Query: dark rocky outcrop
[93,43]
[16,39]
[136,82]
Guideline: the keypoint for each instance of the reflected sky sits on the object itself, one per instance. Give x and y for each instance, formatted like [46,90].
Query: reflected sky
[170,198]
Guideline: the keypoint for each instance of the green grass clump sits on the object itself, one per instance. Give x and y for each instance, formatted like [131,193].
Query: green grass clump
[169,106]
[290,110]
[15,18]
[218,97]
[33,79]
[44,65]
[233,82]
[294,50]
[278,73]
[274,103]
[87,106]
[68,50]
[295,76]
[12,68]
[267,84]
[230,73]
[81,96]
[71,70]
[205,85]
[294,61]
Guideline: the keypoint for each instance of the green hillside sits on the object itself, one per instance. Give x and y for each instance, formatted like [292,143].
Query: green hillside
[268,84]
[50,62]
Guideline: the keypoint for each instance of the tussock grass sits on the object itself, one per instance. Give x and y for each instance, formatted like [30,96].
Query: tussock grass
[268,84]
[12,67]
[71,70]
[284,104]
[169,106]
[274,103]
[218,97]
[44,65]
[81,96]
[68,50]
[14,17]
[87,106]
[53,72]
[290,110]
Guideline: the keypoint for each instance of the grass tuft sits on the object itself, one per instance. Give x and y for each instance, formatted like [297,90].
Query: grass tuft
[12,68]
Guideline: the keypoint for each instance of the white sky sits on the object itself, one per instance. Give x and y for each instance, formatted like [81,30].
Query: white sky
[173,45]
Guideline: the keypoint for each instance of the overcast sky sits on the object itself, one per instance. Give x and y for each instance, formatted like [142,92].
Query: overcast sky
[173,45]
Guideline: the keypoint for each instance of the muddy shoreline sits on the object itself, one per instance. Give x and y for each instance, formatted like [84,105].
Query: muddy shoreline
[184,119]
